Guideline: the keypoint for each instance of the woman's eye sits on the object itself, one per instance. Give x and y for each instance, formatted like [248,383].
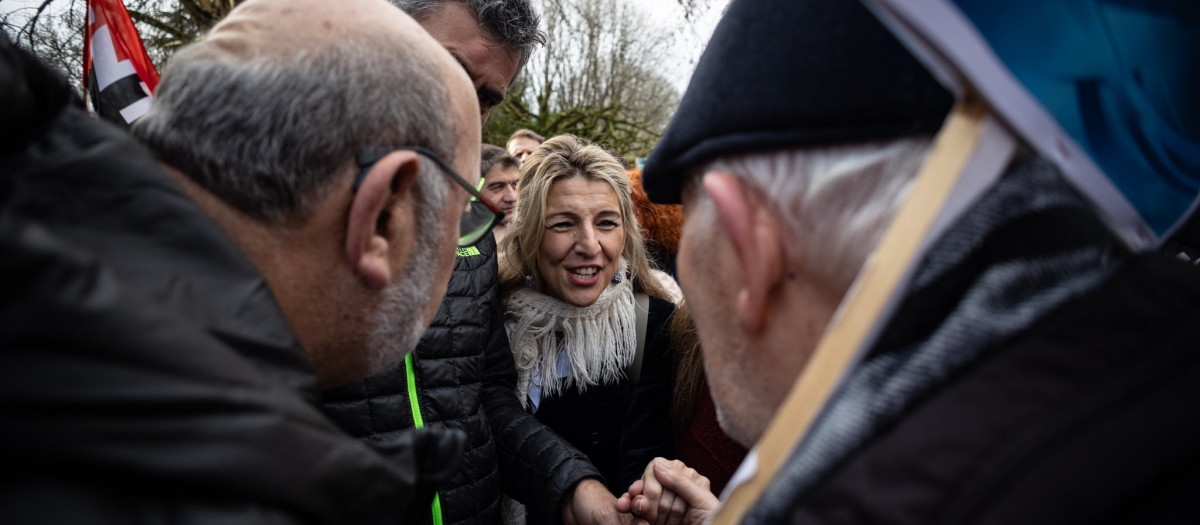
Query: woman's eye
[560,225]
[608,224]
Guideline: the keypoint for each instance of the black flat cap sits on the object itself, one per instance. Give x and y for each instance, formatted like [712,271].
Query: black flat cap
[780,74]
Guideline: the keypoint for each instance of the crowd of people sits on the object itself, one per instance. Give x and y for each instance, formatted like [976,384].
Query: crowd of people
[300,289]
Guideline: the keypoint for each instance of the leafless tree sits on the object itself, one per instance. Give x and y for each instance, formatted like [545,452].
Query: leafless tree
[54,29]
[603,74]
[600,76]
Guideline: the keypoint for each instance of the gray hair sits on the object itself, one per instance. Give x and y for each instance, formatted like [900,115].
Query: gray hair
[512,22]
[834,200]
[270,135]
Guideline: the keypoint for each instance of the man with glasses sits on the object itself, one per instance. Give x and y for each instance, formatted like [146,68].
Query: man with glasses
[481,217]
[461,375]
[169,320]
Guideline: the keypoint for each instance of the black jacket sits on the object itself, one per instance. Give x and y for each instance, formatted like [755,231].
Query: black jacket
[1090,418]
[1035,372]
[464,378]
[146,373]
[623,426]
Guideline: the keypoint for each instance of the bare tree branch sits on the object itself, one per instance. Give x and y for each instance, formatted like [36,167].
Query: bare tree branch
[32,24]
[147,19]
[598,77]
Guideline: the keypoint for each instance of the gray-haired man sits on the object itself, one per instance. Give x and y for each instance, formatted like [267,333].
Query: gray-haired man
[169,319]
[462,370]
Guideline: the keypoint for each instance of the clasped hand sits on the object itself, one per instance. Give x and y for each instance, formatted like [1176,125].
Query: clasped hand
[669,493]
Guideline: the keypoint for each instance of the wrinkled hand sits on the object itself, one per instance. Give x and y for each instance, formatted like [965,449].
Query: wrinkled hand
[591,503]
[669,493]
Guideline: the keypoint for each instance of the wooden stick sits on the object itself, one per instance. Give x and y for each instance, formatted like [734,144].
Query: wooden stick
[882,273]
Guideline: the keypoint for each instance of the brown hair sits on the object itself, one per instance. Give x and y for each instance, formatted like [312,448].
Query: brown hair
[689,366]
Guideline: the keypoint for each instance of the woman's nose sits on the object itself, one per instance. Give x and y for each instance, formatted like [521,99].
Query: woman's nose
[586,242]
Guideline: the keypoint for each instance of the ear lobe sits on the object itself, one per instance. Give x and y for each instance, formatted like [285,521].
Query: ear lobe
[371,236]
[754,233]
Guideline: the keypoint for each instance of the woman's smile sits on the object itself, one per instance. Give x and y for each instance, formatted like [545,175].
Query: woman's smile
[582,241]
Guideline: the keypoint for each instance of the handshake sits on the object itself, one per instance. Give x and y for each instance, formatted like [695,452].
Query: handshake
[668,493]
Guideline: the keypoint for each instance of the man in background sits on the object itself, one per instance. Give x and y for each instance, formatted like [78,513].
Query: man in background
[523,141]
[169,320]
[499,171]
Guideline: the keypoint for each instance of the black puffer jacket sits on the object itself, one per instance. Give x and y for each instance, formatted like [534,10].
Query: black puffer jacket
[146,373]
[465,378]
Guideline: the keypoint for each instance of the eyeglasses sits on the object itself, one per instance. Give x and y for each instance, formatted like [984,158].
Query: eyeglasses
[479,218]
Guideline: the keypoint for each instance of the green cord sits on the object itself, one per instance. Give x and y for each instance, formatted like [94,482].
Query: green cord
[419,422]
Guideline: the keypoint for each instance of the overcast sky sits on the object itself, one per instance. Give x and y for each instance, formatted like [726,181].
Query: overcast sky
[691,41]
[687,45]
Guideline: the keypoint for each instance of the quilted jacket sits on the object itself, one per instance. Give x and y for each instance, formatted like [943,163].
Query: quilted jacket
[463,375]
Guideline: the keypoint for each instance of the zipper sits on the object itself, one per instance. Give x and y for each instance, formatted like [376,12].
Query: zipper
[419,422]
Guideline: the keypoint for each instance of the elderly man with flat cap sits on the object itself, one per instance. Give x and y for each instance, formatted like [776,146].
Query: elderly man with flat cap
[1034,371]
[171,314]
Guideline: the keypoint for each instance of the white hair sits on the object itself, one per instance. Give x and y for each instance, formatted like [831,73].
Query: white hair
[834,200]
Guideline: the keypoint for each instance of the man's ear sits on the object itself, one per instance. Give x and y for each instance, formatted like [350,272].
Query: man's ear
[756,236]
[371,226]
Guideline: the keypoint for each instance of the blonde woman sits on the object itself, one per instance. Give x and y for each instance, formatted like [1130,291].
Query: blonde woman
[574,272]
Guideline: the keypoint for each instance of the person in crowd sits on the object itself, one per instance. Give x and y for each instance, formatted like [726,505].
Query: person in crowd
[573,274]
[170,314]
[661,225]
[1034,370]
[499,172]
[522,143]
[462,370]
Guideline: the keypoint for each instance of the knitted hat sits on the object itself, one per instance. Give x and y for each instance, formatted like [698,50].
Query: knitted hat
[787,73]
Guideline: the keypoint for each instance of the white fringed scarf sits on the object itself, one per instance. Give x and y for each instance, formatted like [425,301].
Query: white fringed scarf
[599,340]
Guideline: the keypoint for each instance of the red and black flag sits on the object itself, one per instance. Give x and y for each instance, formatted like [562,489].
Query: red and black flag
[118,74]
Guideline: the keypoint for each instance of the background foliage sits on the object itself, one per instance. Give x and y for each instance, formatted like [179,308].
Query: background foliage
[598,77]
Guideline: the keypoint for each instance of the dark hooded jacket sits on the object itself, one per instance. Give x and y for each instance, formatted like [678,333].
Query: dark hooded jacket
[146,372]
[464,378]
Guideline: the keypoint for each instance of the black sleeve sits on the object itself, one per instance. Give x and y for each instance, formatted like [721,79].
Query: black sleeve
[537,467]
[105,387]
[647,432]
[31,97]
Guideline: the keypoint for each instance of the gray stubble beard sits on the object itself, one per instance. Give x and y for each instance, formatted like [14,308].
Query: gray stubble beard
[397,325]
